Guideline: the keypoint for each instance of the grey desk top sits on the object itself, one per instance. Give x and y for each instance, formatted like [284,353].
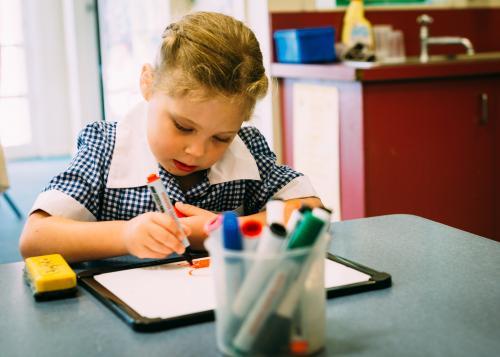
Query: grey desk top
[445,301]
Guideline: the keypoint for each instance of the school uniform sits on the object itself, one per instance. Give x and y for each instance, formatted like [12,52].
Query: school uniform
[106,180]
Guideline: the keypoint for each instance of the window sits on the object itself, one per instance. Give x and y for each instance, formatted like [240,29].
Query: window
[15,127]
[130,33]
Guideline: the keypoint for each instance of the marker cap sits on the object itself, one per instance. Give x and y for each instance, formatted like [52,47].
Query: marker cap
[322,214]
[305,208]
[275,211]
[251,228]
[306,232]
[152,178]
[278,229]
[231,231]
[213,224]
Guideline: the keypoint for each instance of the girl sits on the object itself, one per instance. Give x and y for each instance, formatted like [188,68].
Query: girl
[205,83]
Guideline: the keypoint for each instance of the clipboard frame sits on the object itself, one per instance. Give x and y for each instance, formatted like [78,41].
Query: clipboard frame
[378,280]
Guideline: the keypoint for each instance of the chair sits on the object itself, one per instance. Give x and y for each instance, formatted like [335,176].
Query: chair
[4,185]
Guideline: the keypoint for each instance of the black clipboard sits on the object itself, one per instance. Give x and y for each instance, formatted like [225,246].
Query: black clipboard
[377,280]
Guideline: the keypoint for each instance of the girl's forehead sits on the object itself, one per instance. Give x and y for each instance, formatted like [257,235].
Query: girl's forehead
[226,112]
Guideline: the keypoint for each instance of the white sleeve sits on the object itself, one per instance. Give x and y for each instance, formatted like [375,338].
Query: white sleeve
[57,203]
[299,187]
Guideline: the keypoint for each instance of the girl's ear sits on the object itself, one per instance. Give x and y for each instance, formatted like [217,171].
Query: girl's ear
[147,74]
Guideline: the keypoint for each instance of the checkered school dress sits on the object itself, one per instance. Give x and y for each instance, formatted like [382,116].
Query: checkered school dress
[85,180]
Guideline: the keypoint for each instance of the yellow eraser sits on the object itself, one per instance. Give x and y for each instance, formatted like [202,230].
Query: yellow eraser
[49,274]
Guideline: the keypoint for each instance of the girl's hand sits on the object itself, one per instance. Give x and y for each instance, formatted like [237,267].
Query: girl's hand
[153,235]
[196,218]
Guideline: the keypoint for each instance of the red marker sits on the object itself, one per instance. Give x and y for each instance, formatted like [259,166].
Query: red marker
[251,230]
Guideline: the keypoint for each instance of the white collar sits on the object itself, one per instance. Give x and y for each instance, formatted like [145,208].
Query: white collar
[132,161]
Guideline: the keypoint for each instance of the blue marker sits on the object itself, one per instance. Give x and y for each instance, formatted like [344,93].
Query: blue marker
[234,269]
[231,234]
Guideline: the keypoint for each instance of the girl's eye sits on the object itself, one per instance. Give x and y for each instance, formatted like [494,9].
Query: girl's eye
[222,140]
[181,128]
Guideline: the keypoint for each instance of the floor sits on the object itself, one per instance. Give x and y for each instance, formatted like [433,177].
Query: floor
[27,179]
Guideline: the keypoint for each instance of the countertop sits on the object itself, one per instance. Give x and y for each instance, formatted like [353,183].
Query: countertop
[480,64]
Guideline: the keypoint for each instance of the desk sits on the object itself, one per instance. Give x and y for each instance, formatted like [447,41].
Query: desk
[445,301]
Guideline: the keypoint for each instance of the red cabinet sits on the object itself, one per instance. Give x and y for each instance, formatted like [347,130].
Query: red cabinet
[430,149]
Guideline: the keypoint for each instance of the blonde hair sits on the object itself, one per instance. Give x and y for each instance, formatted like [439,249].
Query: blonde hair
[212,54]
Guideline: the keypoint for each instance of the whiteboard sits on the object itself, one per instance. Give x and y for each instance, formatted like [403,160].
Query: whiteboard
[175,289]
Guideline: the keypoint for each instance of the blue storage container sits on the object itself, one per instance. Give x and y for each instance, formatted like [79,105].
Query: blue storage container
[308,45]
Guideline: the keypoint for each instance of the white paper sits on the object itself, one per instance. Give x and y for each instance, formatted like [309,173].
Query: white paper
[175,289]
[163,291]
[337,274]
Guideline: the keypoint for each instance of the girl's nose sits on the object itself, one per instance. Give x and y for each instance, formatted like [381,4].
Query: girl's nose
[195,148]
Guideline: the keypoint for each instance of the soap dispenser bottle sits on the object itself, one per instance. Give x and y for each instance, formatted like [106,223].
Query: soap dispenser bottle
[356,28]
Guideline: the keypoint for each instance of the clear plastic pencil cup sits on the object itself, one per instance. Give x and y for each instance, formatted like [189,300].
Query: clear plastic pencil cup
[269,303]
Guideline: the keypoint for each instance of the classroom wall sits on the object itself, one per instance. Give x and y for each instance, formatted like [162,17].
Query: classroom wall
[480,25]
[311,5]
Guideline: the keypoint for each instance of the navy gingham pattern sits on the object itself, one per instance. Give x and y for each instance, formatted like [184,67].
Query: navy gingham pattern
[86,177]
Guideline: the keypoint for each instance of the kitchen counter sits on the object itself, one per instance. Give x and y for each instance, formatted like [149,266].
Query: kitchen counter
[410,68]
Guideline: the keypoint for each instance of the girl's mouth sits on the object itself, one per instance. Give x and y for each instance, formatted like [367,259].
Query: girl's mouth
[183,167]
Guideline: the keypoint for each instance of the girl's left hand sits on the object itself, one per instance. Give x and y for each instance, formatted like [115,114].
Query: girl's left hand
[196,218]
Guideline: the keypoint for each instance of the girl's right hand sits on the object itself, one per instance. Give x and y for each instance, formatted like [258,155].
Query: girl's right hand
[153,235]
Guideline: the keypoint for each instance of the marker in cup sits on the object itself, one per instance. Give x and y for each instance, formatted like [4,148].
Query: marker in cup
[295,218]
[275,211]
[271,242]
[255,321]
[251,230]
[306,232]
[232,241]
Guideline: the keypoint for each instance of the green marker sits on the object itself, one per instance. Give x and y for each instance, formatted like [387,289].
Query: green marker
[306,232]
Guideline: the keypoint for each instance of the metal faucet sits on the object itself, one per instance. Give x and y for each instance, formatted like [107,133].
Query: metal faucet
[424,20]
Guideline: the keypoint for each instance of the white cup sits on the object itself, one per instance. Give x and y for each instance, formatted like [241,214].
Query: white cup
[381,34]
[396,46]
